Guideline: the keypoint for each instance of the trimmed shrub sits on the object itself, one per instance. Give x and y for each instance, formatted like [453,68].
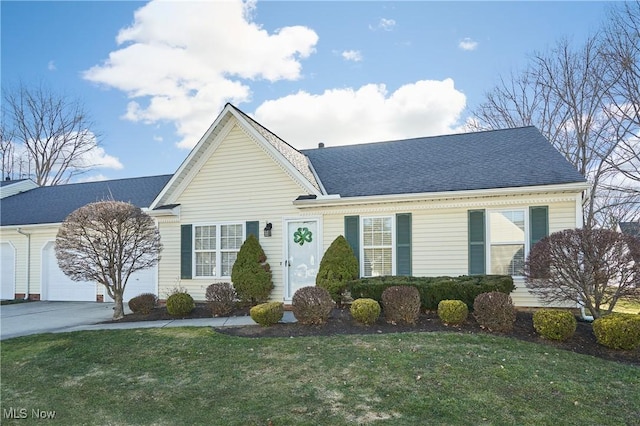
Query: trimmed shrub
[554,324]
[401,304]
[220,298]
[312,305]
[494,311]
[251,274]
[267,314]
[180,304]
[365,311]
[433,290]
[143,303]
[338,267]
[618,331]
[452,312]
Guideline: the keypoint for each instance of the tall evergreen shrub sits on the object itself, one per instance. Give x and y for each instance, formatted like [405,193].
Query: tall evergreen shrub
[251,274]
[337,268]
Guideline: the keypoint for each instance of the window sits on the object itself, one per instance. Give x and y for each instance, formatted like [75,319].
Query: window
[507,238]
[377,246]
[216,248]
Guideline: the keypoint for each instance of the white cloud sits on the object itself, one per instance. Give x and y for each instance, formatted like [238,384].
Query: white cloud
[352,55]
[468,44]
[158,138]
[51,66]
[93,178]
[366,114]
[384,24]
[182,61]
[99,159]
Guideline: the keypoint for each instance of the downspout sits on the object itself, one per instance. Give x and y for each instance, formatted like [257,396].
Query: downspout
[20,231]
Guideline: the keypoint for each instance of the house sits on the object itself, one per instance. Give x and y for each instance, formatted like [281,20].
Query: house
[446,205]
[630,228]
[10,187]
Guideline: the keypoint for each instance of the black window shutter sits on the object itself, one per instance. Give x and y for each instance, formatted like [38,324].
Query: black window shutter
[352,234]
[186,252]
[253,228]
[403,244]
[476,242]
[539,223]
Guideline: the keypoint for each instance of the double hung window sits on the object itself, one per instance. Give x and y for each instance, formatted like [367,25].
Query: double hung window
[216,248]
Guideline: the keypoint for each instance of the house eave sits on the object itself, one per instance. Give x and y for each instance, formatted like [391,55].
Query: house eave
[333,200]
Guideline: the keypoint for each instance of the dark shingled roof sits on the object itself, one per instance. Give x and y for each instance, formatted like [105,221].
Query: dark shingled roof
[630,228]
[481,160]
[52,204]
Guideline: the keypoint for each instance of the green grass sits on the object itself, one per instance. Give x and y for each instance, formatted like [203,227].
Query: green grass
[627,306]
[196,376]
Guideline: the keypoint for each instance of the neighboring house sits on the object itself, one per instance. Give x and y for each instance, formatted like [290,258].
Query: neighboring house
[630,228]
[446,205]
[10,187]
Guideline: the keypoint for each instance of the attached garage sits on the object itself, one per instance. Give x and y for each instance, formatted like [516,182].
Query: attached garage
[7,271]
[140,282]
[59,287]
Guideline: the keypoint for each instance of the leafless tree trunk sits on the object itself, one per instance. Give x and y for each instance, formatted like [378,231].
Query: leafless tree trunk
[586,103]
[106,242]
[53,130]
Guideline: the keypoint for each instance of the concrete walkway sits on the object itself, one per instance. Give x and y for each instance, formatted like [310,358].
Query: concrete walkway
[24,319]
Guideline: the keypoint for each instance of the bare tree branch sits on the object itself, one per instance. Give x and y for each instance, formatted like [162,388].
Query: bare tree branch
[54,131]
[106,242]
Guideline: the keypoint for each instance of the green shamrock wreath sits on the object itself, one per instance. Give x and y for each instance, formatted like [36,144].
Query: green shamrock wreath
[302,235]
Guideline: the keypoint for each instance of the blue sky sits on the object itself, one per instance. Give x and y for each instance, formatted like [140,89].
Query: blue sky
[154,76]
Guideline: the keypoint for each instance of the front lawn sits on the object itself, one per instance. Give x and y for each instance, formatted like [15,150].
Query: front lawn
[197,376]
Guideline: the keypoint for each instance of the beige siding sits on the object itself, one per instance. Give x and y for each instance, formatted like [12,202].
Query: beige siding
[239,183]
[439,230]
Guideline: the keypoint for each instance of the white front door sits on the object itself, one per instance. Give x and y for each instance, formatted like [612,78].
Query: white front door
[302,249]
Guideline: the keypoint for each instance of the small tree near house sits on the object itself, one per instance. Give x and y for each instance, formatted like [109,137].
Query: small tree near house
[106,242]
[592,267]
[251,274]
[337,267]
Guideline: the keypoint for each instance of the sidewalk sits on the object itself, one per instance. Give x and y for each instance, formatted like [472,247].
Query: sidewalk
[24,319]
[198,322]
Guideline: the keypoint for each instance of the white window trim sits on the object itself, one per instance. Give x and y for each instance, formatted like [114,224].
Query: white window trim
[218,249]
[393,242]
[489,243]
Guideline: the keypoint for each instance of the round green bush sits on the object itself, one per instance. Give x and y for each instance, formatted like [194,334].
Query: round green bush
[494,311]
[312,305]
[143,303]
[365,311]
[180,304]
[618,331]
[452,312]
[267,314]
[401,304]
[554,324]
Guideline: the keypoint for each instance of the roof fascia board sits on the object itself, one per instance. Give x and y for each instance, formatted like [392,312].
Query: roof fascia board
[577,187]
[30,226]
[279,157]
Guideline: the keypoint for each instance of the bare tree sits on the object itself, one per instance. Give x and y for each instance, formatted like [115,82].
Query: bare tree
[591,267]
[106,242]
[53,130]
[576,97]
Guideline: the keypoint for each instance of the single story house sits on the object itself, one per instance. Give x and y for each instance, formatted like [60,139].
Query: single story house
[447,205]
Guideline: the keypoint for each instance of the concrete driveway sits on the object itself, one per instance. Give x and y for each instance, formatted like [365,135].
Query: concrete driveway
[22,319]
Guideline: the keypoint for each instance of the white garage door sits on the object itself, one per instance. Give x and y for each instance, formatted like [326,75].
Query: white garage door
[7,271]
[57,286]
[140,282]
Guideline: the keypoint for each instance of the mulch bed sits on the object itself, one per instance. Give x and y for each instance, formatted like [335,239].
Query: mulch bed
[340,322]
